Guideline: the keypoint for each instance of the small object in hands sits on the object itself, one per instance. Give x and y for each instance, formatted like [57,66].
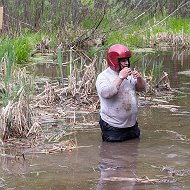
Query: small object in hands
[129,75]
[132,75]
[131,78]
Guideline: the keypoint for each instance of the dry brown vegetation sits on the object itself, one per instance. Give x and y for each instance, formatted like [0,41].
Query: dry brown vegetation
[169,39]
[22,118]
[16,118]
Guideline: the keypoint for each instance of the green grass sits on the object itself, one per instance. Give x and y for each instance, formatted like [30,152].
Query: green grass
[22,49]
[22,45]
[177,25]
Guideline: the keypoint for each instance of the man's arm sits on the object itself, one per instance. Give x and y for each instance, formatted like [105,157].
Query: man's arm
[141,84]
[105,88]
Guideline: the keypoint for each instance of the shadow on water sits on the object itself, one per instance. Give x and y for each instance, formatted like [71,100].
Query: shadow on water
[161,153]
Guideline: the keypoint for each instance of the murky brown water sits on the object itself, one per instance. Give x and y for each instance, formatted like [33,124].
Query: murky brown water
[162,151]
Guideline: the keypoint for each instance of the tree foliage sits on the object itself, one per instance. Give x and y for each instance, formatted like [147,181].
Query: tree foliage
[59,14]
[74,21]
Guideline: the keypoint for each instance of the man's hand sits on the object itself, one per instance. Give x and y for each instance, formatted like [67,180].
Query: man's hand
[141,84]
[125,72]
[136,74]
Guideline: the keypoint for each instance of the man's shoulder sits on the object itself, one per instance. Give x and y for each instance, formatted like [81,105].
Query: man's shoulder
[103,76]
[107,72]
[103,73]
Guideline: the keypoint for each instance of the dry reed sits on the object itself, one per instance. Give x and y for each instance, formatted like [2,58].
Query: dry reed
[80,90]
[16,118]
[171,39]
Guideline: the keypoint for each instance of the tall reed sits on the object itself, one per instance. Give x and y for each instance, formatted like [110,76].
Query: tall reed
[13,78]
[60,63]
[8,62]
[16,117]
[151,70]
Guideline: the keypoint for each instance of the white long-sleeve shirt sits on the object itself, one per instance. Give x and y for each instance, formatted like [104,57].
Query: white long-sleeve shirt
[118,107]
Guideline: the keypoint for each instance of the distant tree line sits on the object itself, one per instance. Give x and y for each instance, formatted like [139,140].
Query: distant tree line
[50,15]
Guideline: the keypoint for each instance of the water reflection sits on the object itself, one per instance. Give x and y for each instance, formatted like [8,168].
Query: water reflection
[13,162]
[118,165]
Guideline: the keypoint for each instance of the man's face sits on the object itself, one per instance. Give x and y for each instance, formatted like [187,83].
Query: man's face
[124,62]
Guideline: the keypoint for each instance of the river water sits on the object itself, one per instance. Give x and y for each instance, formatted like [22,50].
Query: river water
[161,153]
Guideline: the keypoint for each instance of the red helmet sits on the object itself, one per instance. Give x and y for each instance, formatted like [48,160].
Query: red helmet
[114,53]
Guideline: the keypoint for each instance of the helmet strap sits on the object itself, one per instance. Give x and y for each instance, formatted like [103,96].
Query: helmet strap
[128,62]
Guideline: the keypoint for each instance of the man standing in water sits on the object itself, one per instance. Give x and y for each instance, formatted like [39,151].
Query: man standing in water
[116,88]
